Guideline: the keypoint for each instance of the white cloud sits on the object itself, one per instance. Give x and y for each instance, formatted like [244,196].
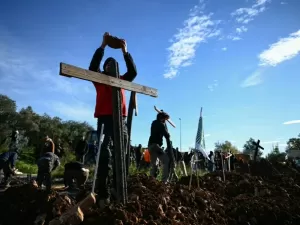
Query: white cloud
[212,86]
[283,3]
[241,29]
[198,28]
[76,111]
[224,49]
[245,15]
[269,142]
[291,122]
[253,80]
[207,135]
[282,145]
[234,38]
[284,49]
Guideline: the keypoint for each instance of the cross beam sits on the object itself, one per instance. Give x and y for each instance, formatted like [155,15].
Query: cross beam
[257,147]
[73,71]
[120,145]
[131,107]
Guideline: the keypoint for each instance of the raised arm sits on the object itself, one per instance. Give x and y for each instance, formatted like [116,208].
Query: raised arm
[131,68]
[98,55]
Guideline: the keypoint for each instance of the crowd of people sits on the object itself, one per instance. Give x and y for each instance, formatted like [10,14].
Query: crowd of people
[75,174]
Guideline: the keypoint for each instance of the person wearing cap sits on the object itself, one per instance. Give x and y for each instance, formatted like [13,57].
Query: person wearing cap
[158,131]
[104,115]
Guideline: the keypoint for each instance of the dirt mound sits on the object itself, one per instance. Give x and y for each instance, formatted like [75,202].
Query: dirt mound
[241,199]
[272,196]
[23,204]
[152,202]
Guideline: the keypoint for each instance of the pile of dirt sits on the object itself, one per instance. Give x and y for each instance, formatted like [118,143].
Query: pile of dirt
[24,204]
[272,198]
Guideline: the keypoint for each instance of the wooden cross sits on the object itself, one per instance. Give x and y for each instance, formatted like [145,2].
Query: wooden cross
[257,147]
[120,157]
[132,107]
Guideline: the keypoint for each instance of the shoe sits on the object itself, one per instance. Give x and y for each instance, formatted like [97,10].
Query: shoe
[102,203]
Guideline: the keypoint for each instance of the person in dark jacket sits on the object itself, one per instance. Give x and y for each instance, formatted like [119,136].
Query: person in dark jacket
[81,149]
[138,155]
[211,162]
[75,171]
[49,145]
[158,131]
[59,150]
[7,164]
[14,143]
[104,115]
[46,164]
[218,161]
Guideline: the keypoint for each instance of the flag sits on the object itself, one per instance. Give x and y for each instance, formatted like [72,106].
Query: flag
[200,142]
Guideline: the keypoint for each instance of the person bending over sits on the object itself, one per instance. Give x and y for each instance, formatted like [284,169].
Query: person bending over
[46,164]
[75,171]
[7,164]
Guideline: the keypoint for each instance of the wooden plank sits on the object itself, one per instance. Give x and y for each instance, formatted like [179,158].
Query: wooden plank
[135,104]
[73,71]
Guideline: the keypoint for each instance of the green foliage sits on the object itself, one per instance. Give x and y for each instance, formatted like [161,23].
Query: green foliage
[34,127]
[26,167]
[276,155]
[8,117]
[293,144]
[226,146]
[68,157]
[249,148]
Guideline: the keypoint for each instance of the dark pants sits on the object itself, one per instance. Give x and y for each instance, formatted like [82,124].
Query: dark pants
[138,161]
[79,158]
[6,171]
[106,166]
[79,176]
[44,174]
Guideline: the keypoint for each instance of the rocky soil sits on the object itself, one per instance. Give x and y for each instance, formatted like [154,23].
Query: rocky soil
[269,194]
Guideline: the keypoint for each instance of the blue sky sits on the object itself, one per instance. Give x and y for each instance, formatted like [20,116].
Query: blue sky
[238,59]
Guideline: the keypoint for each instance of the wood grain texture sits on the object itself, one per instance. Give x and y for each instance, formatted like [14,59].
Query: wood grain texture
[73,71]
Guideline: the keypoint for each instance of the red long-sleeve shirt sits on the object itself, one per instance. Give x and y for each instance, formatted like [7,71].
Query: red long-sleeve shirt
[104,92]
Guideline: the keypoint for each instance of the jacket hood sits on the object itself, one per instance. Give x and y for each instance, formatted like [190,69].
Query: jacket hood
[108,60]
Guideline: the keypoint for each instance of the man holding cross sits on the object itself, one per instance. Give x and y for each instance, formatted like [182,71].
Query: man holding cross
[104,114]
